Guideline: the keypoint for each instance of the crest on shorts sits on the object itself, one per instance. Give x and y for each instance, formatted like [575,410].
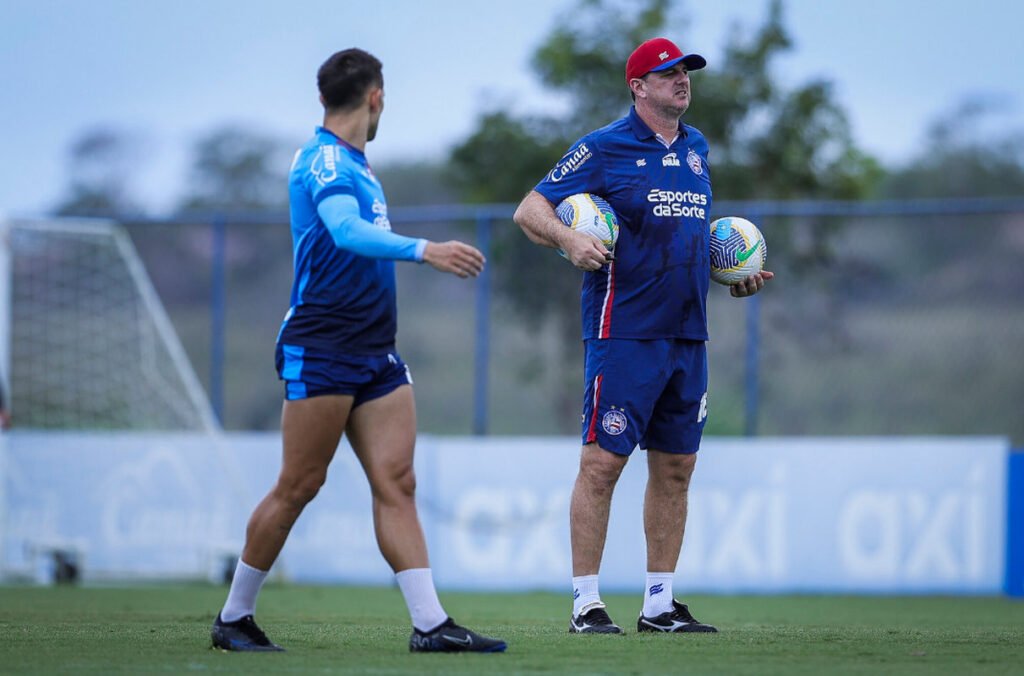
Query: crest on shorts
[693,159]
[614,422]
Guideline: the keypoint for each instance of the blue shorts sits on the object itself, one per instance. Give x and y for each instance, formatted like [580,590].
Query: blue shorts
[651,393]
[309,372]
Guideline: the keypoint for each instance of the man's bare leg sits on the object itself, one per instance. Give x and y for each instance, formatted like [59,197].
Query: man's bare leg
[588,528]
[665,502]
[383,434]
[591,503]
[310,429]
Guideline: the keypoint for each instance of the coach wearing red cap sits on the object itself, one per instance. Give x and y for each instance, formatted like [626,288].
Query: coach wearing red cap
[644,323]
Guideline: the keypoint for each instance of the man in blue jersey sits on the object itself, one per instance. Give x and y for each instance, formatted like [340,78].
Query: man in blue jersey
[644,323]
[336,354]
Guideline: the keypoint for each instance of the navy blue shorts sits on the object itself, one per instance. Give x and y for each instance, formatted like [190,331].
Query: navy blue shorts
[651,393]
[308,372]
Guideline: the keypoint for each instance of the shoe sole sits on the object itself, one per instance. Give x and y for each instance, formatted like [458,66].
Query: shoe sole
[611,632]
[651,630]
[219,644]
[493,649]
[258,649]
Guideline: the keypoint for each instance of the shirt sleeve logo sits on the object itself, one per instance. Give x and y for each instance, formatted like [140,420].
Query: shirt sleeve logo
[570,162]
[380,211]
[324,166]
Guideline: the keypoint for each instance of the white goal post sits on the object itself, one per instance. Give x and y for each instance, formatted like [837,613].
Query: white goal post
[86,343]
[114,458]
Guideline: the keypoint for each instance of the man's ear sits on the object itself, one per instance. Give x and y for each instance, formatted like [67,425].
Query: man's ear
[638,85]
[376,99]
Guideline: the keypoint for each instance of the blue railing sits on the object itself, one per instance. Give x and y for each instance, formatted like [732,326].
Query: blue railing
[485,216]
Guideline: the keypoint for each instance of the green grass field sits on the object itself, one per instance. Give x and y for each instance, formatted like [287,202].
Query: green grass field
[339,630]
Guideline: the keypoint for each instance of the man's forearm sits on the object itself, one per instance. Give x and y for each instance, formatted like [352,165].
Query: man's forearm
[537,218]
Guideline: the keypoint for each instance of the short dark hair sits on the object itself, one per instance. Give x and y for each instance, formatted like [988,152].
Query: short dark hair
[346,76]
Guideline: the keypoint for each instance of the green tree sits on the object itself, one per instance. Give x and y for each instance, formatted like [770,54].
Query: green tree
[968,153]
[415,183]
[102,163]
[235,169]
[959,159]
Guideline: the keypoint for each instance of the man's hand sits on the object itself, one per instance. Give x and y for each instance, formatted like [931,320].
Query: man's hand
[536,216]
[454,257]
[750,285]
[584,251]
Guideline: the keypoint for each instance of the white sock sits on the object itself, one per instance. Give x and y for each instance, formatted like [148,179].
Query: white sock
[417,585]
[245,586]
[658,594]
[584,593]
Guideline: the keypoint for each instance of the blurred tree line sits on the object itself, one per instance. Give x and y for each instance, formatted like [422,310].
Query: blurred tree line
[768,141]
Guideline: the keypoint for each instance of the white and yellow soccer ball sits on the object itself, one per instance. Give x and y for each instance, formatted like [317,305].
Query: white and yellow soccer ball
[591,215]
[737,250]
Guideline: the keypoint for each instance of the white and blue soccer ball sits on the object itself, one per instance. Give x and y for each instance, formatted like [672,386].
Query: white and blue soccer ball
[591,215]
[737,250]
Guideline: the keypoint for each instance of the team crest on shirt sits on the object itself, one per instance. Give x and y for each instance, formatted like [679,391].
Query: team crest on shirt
[693,159]
[614,422]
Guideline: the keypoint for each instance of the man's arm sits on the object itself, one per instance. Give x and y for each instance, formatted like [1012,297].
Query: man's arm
[340,213]
[536,216]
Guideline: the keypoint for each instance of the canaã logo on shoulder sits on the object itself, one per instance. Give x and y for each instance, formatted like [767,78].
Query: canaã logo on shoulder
[572,161]
[324,166]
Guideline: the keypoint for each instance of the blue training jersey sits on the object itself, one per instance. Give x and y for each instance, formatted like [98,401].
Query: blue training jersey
[657,285]
[340,300]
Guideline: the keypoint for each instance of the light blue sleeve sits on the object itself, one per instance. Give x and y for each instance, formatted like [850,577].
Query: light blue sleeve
[340,213]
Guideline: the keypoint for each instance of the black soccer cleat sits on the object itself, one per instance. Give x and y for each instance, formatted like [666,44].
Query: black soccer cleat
[676,621]
[594,621]
[241,636]
[449,637]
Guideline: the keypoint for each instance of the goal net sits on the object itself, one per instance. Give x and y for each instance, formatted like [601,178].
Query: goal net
[90,345]
[115,466]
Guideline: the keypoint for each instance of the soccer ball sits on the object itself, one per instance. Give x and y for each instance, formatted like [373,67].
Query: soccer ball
[591,215]
[737,250]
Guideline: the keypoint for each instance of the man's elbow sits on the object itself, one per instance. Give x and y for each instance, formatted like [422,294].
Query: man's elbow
[520,217]
[526,218]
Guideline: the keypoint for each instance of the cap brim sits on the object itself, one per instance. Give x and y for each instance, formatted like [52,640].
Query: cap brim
[691,61]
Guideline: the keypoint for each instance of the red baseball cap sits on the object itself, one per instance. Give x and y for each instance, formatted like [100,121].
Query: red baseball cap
[658,54]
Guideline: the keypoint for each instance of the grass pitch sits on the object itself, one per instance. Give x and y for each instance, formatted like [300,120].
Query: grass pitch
[339,630]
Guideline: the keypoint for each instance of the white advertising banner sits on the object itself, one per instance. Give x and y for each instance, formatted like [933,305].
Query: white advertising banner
[865,515]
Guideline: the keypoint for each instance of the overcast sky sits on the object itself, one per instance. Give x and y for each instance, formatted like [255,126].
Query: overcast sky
[172,71]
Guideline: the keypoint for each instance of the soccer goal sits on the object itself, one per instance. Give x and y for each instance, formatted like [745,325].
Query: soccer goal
[115,466]
[87,343]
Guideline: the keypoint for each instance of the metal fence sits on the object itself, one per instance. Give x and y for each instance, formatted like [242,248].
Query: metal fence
[909,321]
